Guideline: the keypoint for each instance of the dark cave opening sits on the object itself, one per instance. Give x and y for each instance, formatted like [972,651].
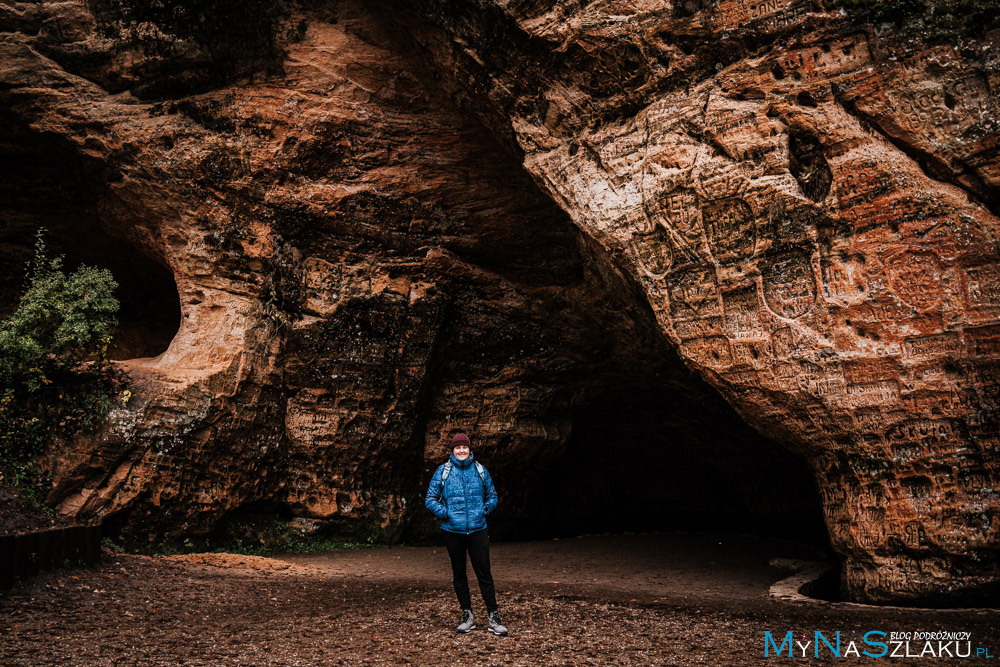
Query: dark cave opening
[150,312]
[48,183]
[643,458]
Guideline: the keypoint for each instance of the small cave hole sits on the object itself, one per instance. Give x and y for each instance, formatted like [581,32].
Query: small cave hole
[778,72]
[48,183]
[805,99]
[808,165]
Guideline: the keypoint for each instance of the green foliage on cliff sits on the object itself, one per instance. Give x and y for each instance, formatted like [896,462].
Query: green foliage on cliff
[239,36]
[54,379]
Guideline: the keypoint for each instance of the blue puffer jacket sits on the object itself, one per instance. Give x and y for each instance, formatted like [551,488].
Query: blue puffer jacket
[464,501]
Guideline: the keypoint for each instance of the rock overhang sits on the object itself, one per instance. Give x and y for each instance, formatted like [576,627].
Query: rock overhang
[766,203]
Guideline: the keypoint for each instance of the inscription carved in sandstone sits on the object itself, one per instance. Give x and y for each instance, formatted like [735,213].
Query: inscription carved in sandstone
[711,351]
[983,341]
[789,285]
[743,320]
[680,216]
[915,277]
[982,289]
[654,252]
[731,229]
[695,294]
[947,344]
[844,280]
[861,181]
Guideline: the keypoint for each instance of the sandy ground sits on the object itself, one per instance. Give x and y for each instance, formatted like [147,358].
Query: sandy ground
[673,599]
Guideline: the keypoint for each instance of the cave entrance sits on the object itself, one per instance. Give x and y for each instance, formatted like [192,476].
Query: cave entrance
[46,182]
[150,311]
[651,456]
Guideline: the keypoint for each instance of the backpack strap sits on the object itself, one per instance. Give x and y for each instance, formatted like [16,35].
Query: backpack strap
[482,472]
[445,473]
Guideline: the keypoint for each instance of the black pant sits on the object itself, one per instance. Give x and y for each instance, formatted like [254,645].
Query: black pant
[478,546]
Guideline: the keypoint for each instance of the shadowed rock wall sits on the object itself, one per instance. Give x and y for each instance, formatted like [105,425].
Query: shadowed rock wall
[810,207]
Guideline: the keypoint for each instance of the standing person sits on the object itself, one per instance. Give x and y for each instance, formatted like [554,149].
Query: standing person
[461,494]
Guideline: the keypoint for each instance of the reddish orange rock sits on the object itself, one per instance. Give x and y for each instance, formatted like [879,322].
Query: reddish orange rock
[763,198]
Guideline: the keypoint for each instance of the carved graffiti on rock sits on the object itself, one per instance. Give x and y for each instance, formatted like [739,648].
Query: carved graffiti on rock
[680,216]
[941,402]
[753,353]
[835,58]
[731,229]
[915,277]
[789,284]
[821,382]
[982,289]
[709,326]
[868,419]
[862,181]
[695,294]
[843,279]
[983,341]
[743,320]
[931,435]
[711,351]
[870,370]
[881,392]
[785,341]
[947,344]
[654,252]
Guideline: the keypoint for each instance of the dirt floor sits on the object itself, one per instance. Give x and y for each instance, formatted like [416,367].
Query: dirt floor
[671,599]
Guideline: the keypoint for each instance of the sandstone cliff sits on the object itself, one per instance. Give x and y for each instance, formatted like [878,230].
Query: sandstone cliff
[508,217]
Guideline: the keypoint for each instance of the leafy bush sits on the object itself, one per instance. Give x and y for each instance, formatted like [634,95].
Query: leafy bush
[54,378]
[239,36]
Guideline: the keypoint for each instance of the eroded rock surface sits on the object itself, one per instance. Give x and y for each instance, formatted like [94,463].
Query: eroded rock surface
[793,208]
[810,207]
[359,269]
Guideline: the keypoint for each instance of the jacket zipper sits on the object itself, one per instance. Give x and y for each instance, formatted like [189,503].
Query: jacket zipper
[465,495]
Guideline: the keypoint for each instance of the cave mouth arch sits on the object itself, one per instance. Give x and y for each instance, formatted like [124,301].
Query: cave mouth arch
[150,313]
[643,457]
[46,182]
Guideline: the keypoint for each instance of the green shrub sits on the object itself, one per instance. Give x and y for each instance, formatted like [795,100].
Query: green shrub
[54,378]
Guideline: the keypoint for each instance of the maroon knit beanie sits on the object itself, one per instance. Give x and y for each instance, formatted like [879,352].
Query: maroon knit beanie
[459,439]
